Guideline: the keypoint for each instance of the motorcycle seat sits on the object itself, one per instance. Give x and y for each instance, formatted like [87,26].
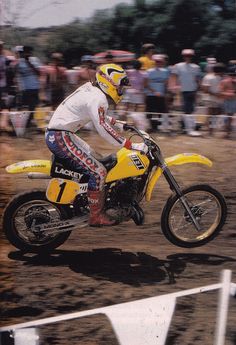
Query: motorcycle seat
[64,162]
[109,161]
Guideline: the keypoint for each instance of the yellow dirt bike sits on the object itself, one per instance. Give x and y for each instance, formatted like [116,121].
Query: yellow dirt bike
[38,220]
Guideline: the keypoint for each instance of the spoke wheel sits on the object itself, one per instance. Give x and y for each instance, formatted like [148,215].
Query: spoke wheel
[209,209]
[24,213]
[31,214]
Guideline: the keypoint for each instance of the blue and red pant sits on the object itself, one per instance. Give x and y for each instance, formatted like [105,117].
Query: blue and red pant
[68,146]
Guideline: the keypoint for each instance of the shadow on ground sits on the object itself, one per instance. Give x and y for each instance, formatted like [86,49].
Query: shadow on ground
[115,265]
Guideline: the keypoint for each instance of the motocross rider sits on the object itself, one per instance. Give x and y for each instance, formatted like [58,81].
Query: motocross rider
[89,103]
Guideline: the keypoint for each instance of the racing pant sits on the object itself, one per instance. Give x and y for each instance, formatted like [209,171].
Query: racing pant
[79,156]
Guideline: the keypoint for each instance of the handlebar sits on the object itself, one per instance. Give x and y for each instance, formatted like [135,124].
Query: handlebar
[145,136]
[128,127]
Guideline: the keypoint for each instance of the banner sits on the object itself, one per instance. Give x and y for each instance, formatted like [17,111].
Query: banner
[19,120]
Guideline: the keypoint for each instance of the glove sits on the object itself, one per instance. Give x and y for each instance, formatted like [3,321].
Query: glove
[119,126]
[140,147]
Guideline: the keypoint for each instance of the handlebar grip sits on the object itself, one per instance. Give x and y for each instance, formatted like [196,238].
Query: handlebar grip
[127,127]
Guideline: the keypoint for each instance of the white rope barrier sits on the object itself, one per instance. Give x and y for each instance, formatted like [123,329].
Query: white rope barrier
[166,121]
[144,321]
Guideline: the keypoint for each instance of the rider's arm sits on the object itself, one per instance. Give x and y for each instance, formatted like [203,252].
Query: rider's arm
[111,120]
[104,127]
[119,125]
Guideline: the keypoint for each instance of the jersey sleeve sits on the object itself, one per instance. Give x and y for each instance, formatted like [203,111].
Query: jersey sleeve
[103,125]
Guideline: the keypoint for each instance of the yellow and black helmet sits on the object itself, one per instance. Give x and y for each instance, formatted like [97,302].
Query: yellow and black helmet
[111,79]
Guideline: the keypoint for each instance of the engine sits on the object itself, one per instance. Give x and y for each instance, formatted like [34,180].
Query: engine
[124,195]
[124,192]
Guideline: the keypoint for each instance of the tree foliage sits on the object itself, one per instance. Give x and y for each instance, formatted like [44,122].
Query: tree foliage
[207,26]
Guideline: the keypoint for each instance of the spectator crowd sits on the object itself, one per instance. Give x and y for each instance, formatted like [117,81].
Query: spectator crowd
[156,88]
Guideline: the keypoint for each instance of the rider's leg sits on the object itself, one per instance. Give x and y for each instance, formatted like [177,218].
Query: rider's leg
[77,152]
[98,217]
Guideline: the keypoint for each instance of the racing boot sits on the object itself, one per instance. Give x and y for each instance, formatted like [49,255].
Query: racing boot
[97,217]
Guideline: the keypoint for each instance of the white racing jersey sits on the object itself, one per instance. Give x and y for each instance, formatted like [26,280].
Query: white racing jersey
[85,104]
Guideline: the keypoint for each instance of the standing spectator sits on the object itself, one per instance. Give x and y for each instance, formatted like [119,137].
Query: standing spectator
[135,95]
[146,58]
[87,71]
[28,74]
[72,78]
[228,92]
[10,82]
[156,87]
[211,88]
[56,80]
[211,61]
[186,77]
[3,84]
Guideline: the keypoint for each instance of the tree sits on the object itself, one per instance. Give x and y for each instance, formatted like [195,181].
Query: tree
[208,26]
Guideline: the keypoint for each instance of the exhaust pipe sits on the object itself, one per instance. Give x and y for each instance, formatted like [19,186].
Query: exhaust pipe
[37,176]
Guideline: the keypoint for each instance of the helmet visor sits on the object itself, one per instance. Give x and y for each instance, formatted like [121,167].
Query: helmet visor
[124,82]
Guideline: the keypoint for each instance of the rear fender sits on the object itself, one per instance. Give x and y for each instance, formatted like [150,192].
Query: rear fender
[34,165]
[182,158]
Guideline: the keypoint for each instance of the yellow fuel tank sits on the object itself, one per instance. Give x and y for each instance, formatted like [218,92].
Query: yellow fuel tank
[129,164]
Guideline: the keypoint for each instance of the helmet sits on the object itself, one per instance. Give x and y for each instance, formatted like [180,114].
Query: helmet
[111,79]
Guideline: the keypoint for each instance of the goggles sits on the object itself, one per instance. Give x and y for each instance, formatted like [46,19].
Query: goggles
[124,82]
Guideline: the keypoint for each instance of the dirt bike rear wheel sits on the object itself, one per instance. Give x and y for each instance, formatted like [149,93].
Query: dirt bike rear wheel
[33,208]
[209,208]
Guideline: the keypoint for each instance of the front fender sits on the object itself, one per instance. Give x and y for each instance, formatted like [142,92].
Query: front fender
[34,165]
[179,159]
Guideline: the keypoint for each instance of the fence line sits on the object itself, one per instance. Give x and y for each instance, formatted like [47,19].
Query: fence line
[118,111]
[167,121]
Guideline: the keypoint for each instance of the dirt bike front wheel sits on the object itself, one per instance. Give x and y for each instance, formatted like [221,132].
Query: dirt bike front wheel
[25,211]
[209,209]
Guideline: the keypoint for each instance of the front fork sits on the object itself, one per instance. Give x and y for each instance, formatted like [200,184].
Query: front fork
[176,188]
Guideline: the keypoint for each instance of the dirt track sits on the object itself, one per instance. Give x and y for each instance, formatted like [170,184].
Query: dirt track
[101,267]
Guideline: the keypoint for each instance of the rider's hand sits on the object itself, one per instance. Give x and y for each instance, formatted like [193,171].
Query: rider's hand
[119,126]
[140,147]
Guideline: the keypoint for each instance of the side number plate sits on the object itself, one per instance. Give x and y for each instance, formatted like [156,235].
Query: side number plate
[63,191]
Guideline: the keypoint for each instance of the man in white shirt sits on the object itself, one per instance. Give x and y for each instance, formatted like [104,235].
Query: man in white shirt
[87,104]
[186,76]
[211,88]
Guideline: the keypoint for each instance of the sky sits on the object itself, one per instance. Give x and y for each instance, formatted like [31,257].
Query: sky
[43,13]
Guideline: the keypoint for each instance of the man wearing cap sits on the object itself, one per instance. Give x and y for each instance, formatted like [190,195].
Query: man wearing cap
[3,84]
[228,93]
[87,71]
[186,77]
[156,86]
[55,80]
[211,87]
[28,73]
